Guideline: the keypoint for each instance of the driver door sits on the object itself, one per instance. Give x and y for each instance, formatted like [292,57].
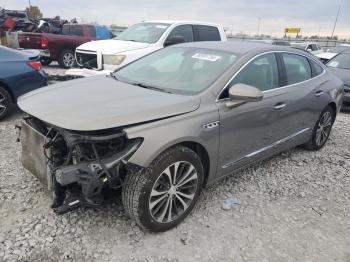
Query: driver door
[248,131]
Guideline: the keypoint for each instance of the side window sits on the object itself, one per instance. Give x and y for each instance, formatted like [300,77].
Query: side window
[92,31]
[297,68]
[207,33]
[76,30]
[261,73]
[183,30]
[316,69]
[65,30]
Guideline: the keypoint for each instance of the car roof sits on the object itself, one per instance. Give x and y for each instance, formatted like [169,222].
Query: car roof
[239,47]
[181,22]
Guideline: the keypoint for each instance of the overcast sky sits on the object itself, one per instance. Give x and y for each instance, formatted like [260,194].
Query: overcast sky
[312,16]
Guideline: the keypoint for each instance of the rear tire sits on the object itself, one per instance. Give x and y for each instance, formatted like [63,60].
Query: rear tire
[5,103]
[67,59]
[161,196]
[45,61]
[322,129]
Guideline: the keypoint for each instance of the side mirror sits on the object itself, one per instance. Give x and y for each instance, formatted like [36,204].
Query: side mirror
[241,93]
[309,50]
[174,40]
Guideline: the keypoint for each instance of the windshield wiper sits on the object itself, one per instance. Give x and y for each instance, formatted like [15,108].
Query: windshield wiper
[151,87]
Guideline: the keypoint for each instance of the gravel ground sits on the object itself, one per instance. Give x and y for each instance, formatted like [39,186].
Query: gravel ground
[293,207]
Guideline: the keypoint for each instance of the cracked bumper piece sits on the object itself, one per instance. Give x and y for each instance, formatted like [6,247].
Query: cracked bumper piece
[83,72]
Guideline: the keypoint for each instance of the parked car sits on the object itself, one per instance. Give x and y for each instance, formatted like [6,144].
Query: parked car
[102,57]
[20,72]
[340,65]
[331,52]
[61,47]
[273,42]
[312,48]
[173,122]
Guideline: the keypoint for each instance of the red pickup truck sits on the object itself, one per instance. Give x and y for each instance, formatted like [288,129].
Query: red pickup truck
[59,47]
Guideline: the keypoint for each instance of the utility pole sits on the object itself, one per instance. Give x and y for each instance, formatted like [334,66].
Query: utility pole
[29,3]
[335,22]
[232,30]
[259,26]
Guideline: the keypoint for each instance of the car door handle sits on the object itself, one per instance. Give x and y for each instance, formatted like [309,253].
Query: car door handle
[319,93]
[280,106]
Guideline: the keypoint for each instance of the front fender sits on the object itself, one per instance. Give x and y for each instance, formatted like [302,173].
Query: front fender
[163,134]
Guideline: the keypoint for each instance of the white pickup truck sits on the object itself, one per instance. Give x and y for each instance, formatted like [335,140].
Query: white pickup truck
[104,56]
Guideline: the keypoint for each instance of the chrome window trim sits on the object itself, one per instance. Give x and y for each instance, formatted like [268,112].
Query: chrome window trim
[277,88]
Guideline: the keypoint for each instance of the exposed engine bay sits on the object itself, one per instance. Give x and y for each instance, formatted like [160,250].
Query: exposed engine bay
[72,161]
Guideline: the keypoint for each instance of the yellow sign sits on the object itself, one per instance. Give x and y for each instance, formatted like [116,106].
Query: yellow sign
[294,30]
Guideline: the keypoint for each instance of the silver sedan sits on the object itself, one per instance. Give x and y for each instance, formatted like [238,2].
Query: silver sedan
[173,122]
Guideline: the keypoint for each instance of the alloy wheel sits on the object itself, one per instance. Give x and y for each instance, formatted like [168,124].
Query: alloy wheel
[68,59]
[173,192]
[324,128]
[3,105]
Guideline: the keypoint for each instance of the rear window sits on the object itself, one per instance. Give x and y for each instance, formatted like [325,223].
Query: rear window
[76,30]
[72,30]
[208,33]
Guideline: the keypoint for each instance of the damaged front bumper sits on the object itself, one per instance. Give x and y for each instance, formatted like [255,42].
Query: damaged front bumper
[75,167]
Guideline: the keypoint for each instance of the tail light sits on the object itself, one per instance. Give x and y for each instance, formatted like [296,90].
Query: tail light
[44,42]
[36,65]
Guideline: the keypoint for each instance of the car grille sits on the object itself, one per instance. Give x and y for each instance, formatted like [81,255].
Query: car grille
[87,60]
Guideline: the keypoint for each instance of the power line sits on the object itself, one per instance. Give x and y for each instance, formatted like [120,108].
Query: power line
[335,22]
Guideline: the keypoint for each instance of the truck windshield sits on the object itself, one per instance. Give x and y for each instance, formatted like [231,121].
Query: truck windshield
[143,32]
[179,70]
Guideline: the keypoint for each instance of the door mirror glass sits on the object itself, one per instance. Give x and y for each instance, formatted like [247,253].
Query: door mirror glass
[174,40]
[241,93]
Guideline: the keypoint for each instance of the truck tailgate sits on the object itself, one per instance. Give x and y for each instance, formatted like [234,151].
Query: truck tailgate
[29,40]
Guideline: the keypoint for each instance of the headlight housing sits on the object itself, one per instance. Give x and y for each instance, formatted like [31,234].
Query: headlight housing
[113,59]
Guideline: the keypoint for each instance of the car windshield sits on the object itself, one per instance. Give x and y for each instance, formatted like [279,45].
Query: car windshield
[340,61]
[143,32]
[177,69]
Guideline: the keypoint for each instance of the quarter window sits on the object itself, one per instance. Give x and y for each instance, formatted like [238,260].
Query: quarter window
[183,30]
[316,68]
[76,30]
[207,33]
[297,68]
[261,73]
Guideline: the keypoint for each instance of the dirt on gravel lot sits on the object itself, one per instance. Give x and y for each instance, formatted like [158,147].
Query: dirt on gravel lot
[293,207]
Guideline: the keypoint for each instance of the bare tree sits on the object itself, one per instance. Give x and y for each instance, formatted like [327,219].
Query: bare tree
[34,12]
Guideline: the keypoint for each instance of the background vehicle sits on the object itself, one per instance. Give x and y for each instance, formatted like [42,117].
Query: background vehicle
[102,57]
[340,65]
[332,52]
[175,121]
[312,48]
[61,47]
[20,72]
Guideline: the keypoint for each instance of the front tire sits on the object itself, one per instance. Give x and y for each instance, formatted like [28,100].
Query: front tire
[5,103]
[161,196]
[322,129]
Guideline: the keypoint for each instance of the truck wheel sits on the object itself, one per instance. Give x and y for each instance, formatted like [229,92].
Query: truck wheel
[66,59]
[5,103]
[45,61]
[322,130]
[161,196]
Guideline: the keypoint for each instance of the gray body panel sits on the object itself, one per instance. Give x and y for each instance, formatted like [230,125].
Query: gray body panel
[232,137]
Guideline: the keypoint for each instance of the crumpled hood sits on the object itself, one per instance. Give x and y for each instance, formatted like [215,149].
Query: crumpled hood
[326,55]
[101,102]
[111,46]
